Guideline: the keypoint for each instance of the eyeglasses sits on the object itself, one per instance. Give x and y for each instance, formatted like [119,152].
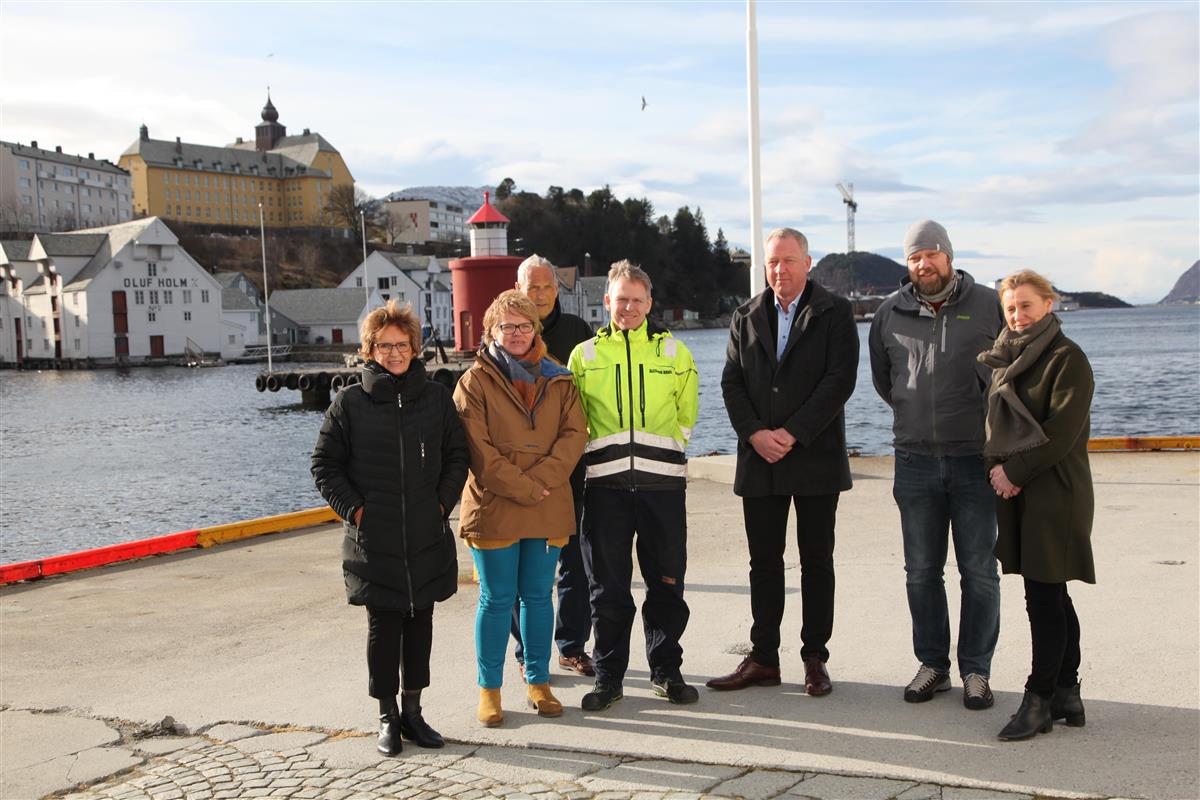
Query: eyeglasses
[387,348]
[508,328]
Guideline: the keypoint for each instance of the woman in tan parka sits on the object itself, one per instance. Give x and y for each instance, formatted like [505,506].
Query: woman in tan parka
[525,431]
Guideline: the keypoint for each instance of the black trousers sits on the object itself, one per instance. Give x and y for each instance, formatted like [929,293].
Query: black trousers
[1054,628]
[611,518]
[398,641]
[766,534]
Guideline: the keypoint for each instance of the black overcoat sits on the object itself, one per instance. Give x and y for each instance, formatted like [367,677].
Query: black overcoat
[804,392]
[396,448]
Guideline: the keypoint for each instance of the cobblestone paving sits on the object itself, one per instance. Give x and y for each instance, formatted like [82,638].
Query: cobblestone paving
[311,764]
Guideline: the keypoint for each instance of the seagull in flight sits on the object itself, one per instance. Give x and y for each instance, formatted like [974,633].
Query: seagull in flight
[643,102]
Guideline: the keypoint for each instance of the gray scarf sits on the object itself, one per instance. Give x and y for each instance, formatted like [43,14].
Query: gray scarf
[1011,429]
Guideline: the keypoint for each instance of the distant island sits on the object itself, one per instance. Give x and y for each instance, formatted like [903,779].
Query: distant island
[1187,288]
[862,273]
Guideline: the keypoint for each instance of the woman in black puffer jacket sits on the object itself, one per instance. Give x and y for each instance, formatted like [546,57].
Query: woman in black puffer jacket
[391,460]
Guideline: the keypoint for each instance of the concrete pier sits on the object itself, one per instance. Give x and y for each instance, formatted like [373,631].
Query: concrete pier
[252,653]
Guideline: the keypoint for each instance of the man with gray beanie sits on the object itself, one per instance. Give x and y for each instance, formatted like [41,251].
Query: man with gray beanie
[923,344]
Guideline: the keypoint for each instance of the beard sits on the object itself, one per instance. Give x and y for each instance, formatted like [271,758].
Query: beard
[934,283]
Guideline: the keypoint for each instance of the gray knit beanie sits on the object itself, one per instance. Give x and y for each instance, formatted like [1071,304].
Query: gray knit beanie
[927,235]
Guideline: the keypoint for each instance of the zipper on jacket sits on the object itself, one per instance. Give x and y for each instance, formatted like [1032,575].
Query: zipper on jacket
[933,379]
[632,445]
[412,609]
[642,392]
[620,413]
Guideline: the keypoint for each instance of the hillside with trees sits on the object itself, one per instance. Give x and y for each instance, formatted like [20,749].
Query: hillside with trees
[858,273]
[689,269]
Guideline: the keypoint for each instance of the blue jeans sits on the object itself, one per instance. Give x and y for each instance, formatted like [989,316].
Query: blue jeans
[524,571]
[938,495]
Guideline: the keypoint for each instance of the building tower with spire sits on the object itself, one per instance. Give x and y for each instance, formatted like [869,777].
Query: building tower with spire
[268,132]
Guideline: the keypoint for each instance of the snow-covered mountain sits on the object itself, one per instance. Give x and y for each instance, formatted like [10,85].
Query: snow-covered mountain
[469,197]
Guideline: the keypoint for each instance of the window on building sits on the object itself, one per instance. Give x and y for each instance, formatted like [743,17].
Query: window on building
[70,173]
[232,339]
[204,295]
[25,183]
[168,297]
[76,320]
[151,316]
[76,344]
[187,297]
[151,269]
[358,282]
[26,200]
[154,297]
[24,164]
[75,299]
[187,316]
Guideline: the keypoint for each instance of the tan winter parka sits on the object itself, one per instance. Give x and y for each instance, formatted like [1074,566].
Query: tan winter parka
[516,453]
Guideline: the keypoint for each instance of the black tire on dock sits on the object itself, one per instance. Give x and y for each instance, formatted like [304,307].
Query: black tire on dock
[307,381]
[337,382]
[292,381]
[353,378]
[446,378]
[260,382]
[322,380]
[274,382]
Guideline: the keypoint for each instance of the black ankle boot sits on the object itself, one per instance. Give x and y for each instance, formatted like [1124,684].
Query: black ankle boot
[1032,718]
[389,728]
[1067,705]
[413,725]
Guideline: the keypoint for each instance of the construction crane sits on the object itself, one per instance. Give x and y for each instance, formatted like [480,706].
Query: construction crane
[851,206]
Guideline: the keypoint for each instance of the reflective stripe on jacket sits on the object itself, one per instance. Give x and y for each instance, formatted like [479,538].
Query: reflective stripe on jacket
[640,393]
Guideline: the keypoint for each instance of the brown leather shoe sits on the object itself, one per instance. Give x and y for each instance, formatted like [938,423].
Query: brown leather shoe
[748,673]
[816,677]
[581,663]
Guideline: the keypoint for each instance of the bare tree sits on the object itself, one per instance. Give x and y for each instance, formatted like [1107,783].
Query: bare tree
[344,206]
[395,223]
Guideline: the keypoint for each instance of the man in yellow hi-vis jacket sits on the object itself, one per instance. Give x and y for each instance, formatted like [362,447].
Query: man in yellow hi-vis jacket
[640,393]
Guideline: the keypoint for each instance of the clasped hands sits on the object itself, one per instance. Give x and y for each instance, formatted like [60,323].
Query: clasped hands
[772,445]
[1000,482]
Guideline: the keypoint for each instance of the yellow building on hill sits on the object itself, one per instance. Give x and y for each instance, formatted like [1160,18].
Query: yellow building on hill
[291,176]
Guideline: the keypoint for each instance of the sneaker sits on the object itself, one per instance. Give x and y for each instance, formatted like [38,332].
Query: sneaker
[927,682]
[675,690]
[601,696]
[977,695]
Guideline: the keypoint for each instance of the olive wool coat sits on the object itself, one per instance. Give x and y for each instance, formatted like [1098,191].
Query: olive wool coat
[1045,531]
[395,448]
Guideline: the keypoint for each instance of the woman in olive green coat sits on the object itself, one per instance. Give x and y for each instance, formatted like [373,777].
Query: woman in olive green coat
[1039,412]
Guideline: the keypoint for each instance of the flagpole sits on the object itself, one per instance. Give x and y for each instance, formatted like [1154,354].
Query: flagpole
[757,276]
[262,237]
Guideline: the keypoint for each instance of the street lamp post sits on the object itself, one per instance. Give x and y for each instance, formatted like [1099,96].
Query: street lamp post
[262,237]
[362,218]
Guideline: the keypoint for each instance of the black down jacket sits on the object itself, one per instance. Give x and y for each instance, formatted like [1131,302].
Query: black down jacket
[395,448]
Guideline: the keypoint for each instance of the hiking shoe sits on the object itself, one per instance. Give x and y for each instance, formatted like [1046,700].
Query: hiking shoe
[925,684]
[601,696]
[675,690]
[977,695]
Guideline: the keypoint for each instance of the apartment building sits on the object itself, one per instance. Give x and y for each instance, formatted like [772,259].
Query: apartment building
[49,190]
[418,220]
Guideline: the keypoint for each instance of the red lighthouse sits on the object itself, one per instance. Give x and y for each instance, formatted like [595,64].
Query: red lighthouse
[488,271]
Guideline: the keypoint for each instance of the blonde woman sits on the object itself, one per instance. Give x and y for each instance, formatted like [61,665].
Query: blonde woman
[1038,422]
[526,431]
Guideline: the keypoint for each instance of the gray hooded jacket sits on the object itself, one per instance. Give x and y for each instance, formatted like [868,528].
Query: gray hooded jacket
[923,366]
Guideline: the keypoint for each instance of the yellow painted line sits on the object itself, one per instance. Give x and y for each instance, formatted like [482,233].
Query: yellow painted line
[219,534]
[1144,443]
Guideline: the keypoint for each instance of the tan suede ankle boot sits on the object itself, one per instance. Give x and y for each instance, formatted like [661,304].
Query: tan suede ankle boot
[489,713]
[543,700]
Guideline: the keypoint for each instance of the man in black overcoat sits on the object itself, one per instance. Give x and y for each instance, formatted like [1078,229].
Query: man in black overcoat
[790,367]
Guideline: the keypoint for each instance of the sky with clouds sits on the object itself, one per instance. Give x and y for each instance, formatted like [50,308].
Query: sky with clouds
[1064,137]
